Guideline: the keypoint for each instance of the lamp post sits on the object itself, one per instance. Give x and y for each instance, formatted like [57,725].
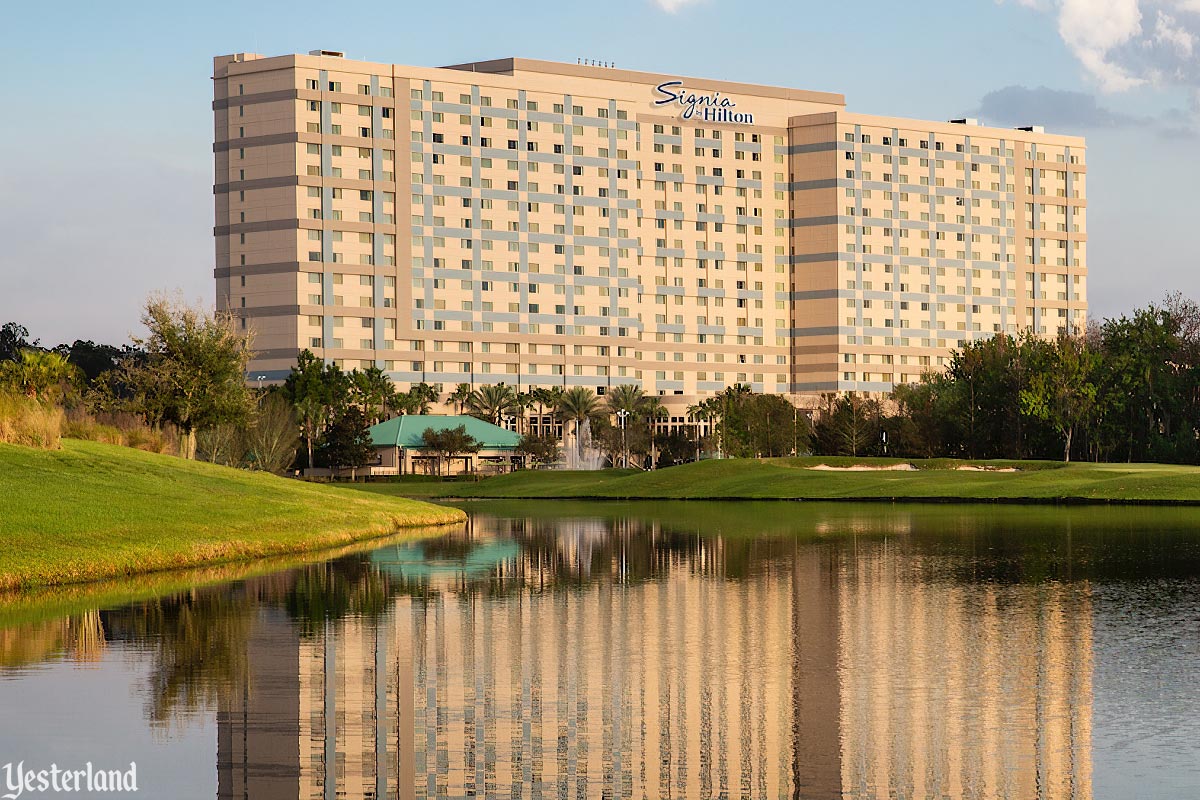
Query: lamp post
[621,415]
[261,378]
[504,419]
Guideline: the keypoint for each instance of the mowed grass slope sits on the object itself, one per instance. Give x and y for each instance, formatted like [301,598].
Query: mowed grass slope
[792,478]
[92,511]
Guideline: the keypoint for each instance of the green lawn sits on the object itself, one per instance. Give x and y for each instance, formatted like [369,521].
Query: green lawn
[791,478]
[93,511]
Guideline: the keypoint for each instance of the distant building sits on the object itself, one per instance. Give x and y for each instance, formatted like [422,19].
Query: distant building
[400,448]
[546,224]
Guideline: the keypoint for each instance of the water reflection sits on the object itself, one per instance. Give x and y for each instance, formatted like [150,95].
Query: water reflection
[626,652]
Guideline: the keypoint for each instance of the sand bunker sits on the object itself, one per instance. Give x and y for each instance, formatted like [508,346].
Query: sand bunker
[865,468]
[969,468]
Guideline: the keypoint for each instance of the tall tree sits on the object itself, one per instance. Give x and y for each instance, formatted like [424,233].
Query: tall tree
[459,397]
[318,391]
[92,359]
[492,402]
[651,411]
[1064,394]
[347,442]
[14,337]
[545,398]
[374,392]
[849,425]
[626,397]
[196,367]
[275,433]
[418,399]
[698,414]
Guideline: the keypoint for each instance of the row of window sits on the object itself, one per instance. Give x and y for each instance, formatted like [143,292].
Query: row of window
[512,103]
[716,134]
[960,147]
[313,84]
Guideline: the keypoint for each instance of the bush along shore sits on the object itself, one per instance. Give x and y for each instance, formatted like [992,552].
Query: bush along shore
[91,511]
[840,478]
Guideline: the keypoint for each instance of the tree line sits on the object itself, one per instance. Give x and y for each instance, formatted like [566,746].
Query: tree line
[1127,389]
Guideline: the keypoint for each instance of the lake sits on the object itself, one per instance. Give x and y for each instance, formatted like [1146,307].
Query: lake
[557,649]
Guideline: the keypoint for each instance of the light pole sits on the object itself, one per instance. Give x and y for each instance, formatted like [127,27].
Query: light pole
[261,378]
[504,418]
[621,415]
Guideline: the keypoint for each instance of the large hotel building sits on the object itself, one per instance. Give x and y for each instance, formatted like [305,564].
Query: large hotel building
[548,224]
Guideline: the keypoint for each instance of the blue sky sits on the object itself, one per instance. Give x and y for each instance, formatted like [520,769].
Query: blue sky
[105,181]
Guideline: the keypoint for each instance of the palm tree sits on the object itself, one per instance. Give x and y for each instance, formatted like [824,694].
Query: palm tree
[625,401]
[375,392]
[544,398]
[699,413]
[492,402]
[422,395]
[714,411]
[459,397]
[654,412]
[38,373]
[524,402]
[578,405]
[626,397]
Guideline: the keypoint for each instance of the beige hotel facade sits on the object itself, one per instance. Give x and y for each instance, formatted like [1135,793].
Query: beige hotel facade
[549,224]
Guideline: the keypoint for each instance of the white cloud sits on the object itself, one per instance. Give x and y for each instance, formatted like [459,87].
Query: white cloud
[671,6]
[1124,44]
[1092,30]
[1168,32]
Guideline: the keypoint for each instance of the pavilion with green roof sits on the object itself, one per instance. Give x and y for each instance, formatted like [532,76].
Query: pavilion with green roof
[400,446]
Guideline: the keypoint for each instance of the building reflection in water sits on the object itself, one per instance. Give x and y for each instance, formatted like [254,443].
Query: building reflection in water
[613,658]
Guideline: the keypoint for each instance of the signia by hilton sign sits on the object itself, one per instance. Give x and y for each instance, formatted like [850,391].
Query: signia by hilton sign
[701,107]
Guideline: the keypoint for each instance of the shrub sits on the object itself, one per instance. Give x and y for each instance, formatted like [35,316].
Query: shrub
[92,431]
[126,430]
[27,422]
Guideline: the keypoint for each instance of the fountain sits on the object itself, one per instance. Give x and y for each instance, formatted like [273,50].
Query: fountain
[581,453]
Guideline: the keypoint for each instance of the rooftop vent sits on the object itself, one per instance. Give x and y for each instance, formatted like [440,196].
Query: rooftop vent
[964,121]
[330,53]
[1032,128]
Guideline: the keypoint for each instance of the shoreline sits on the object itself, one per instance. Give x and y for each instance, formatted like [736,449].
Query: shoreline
[92,512]
[232,553]
[907,500]
[845,480]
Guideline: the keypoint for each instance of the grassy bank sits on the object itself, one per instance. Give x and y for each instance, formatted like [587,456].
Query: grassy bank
[794,479]
[92,511]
